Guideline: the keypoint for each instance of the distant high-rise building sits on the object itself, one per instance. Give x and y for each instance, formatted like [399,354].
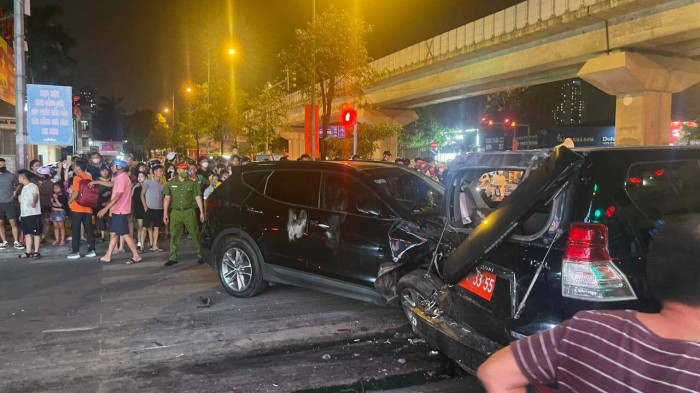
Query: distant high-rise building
[571,107]
[87,102]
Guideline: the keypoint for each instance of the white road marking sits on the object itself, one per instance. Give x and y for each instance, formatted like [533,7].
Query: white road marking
[78,329]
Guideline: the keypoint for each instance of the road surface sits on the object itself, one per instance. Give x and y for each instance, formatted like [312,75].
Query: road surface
[69,326]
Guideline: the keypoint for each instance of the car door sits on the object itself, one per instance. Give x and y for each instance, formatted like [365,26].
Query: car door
[279,216]
[487,275]
[349,233]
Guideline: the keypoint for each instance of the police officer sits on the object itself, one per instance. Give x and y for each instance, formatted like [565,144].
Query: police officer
[181,194]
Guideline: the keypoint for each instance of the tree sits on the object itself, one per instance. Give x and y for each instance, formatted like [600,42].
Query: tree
[215,111]
[139,126]
[690,133]
[369,134]
[335,147]
[337,41]
[227,112]
[421,132]
[110,118]
[48,59]
[268,113]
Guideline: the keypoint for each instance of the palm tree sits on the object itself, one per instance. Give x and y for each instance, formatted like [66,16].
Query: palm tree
[110,118]
[48,59]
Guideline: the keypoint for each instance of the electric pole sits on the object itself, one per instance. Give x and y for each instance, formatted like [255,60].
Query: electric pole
[20,114]
[314,126]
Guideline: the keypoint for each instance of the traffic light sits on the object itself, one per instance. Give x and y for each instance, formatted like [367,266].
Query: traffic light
[348,116]
[291,79]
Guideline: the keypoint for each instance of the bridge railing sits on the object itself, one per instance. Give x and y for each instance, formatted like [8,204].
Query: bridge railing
[459,40]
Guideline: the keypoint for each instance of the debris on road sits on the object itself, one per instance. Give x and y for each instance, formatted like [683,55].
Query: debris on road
[206,302]
[415,341]
[402,360]
[326,357]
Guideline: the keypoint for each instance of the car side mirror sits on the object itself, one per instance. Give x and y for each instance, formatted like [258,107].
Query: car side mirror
[368,206]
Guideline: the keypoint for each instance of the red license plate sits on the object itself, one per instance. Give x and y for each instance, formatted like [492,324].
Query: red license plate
[480,283]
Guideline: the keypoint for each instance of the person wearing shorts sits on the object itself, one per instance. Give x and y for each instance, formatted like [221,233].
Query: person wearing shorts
[59,202]
[8,211]
[152,198]
[30,212]
[120,207]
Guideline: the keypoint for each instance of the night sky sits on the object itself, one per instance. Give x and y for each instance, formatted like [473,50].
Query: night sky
[143,49]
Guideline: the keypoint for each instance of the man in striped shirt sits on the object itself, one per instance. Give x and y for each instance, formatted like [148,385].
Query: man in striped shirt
[625,350]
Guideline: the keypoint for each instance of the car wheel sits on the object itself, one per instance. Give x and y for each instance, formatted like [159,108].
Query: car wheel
[239,268]
[413,289]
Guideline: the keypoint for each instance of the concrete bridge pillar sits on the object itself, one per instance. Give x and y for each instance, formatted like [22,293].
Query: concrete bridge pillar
[296,141]
[643,85]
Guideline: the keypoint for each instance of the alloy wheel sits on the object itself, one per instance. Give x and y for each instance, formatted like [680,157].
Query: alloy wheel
[410,298]
[236,269]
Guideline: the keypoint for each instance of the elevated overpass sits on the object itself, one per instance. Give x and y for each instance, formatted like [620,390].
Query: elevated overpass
[639,50]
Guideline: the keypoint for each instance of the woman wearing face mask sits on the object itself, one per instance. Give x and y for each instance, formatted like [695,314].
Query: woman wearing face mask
[95,164]
[203,169]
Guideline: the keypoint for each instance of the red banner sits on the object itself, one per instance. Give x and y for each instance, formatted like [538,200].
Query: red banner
[308,133]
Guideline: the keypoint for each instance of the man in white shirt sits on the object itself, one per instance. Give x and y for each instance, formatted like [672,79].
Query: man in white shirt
[30,214]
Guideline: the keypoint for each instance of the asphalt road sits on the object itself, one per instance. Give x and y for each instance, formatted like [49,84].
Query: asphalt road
[77,326]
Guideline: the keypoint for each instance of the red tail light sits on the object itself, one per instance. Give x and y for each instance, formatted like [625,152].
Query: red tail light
[587,242]
[588,273]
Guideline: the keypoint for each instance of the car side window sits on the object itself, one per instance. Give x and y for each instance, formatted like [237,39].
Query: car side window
[256,180]
[345,194]
[295,187]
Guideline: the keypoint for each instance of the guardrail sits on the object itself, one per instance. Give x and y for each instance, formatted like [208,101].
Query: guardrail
[459,40]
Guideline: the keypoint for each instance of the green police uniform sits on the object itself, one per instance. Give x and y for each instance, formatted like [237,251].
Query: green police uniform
[182,202]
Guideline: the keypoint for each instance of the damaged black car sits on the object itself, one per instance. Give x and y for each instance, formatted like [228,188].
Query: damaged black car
[532,237]
[347,228]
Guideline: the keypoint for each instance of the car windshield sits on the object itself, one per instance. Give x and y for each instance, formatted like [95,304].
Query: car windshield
[417,193]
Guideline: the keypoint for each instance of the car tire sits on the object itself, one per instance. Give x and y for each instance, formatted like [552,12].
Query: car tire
[413,288]
[239,268]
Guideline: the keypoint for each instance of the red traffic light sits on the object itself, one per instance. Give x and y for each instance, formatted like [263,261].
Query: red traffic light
[348,116]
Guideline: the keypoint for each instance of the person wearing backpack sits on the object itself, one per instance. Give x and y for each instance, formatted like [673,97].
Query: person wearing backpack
[80,201]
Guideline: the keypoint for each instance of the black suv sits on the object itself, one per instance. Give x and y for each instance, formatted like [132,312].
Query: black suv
[533,237]
[347,228]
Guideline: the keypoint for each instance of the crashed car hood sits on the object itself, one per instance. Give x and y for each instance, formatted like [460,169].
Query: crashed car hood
[497,225]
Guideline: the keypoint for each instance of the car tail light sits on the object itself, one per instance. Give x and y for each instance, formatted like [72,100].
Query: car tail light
[588,273]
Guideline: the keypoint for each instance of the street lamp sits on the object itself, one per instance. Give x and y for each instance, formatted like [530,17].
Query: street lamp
[231,51]
[188,90]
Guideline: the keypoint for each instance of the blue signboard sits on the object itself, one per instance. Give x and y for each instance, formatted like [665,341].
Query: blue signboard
[333,132]
[50,115]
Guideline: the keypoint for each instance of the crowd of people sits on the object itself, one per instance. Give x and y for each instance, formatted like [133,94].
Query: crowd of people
[121,201]
[127,203]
